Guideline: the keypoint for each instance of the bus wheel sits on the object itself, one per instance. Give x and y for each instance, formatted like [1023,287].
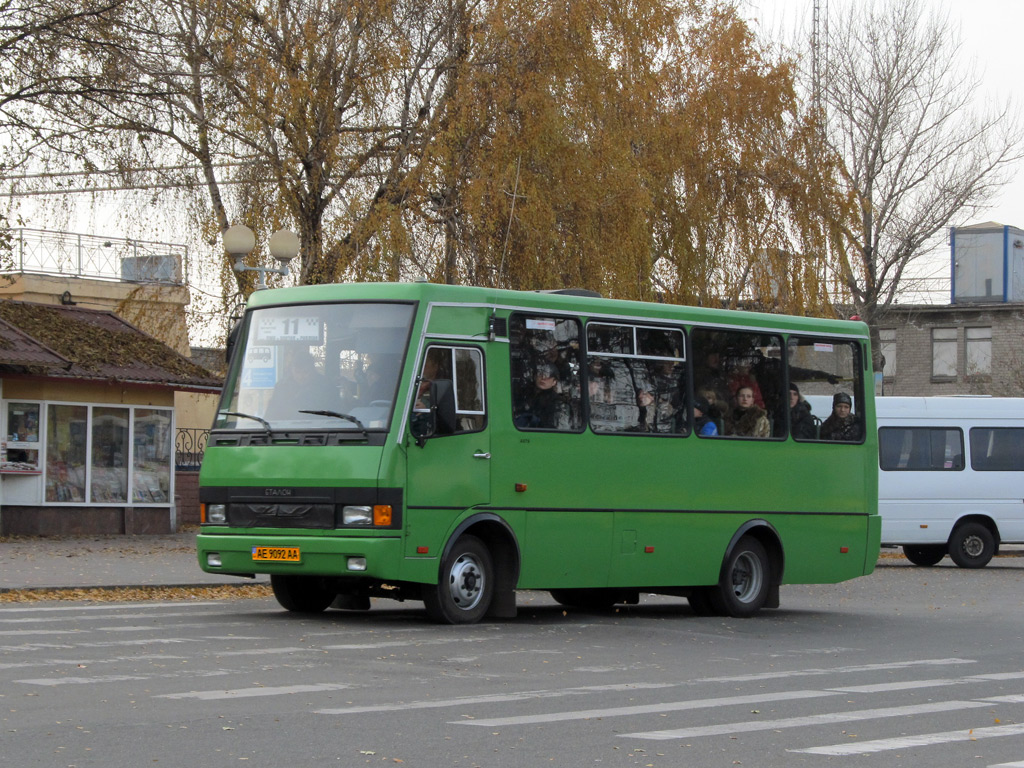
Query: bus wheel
[302,594]
[924,554]
[743,590]
[463,592]
[972,545]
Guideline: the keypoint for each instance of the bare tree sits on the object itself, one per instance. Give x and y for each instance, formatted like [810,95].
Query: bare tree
[902,110]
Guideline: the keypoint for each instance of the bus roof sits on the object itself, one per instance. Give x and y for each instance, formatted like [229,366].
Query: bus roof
[556,302]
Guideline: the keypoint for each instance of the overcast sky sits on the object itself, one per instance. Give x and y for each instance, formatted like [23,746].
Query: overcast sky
[991,31]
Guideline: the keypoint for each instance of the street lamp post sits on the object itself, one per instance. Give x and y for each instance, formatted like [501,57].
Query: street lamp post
[239,242]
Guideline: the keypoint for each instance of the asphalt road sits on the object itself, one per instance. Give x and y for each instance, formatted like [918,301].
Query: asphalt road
[907,667]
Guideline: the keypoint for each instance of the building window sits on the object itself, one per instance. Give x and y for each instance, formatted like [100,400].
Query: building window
[978,349]
[944,353]
[96,454]
[66,436]
[887,346]
[151,482]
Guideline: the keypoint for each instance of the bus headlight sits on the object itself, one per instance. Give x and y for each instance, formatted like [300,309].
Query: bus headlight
[357,515]
[217,513]
[357,563]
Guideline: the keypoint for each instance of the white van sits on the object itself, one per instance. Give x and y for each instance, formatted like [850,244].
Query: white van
[951,476]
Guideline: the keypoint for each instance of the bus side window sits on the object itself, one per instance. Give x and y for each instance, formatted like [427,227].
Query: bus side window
[636,379]
[826,383]
[740,374]
[545,365]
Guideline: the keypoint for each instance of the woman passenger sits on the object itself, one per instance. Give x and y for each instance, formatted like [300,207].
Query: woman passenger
[746,419]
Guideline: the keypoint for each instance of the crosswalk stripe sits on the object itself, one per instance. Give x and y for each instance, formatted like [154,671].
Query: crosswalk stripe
[248,693]
[690,704]
[797,722]
[923,740]
[646,709]
[492,698]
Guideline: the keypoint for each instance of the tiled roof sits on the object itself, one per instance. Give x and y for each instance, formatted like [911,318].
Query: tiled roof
[17,348]
[91,344]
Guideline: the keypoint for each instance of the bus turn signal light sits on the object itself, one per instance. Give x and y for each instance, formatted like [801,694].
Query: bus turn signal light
[843,550]
[520,487]
[382,514]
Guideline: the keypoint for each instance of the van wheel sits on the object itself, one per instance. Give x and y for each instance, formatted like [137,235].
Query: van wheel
[302,594]
[465,584]
[972,545]
[924,554]
[743,589]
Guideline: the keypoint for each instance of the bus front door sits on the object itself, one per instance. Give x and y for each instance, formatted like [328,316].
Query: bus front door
[451,472]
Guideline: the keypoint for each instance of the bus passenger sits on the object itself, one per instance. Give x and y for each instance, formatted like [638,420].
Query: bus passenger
[801,422]
[543,406]
[702,423]
[746,419]
[842,425]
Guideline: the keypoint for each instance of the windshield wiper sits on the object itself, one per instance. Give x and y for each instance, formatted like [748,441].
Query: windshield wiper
[337,415]
[264,422]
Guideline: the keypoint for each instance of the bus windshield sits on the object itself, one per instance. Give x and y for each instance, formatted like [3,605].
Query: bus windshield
[317,366]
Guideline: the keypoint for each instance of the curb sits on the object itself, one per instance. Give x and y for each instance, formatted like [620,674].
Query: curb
[142,587]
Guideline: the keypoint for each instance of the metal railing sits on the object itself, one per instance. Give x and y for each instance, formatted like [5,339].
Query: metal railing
[46,252]
[189,447]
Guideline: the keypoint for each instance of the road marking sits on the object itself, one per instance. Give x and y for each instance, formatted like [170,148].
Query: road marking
[646,709]
[493,698]
[54,681]
[798,722]
[404,643]
[836,670]
[81,662]
[924,740]
[248,693]
[690,704]
[23,632]
[1019,764]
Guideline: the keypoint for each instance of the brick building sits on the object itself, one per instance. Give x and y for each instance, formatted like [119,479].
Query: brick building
[975,344]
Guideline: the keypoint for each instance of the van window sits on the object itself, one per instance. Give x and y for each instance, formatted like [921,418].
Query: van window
[997,449]
[923,449]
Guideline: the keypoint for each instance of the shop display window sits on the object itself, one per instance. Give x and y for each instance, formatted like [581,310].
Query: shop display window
[66,436]
[153,447]
[19,452]
[109,481]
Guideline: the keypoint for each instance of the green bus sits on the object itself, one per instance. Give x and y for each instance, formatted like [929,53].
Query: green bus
[453,444]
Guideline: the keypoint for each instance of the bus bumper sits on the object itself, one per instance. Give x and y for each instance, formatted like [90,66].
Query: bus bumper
[358,557]
[874,543]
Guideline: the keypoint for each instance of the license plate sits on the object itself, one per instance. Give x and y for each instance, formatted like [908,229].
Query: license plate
[276,554]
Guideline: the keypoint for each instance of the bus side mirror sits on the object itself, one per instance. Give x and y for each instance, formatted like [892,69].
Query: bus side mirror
[434,413]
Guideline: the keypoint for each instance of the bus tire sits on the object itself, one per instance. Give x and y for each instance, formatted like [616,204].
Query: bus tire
[925,555]
[972,545]
[465,584]
[746,575]
[302,594]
